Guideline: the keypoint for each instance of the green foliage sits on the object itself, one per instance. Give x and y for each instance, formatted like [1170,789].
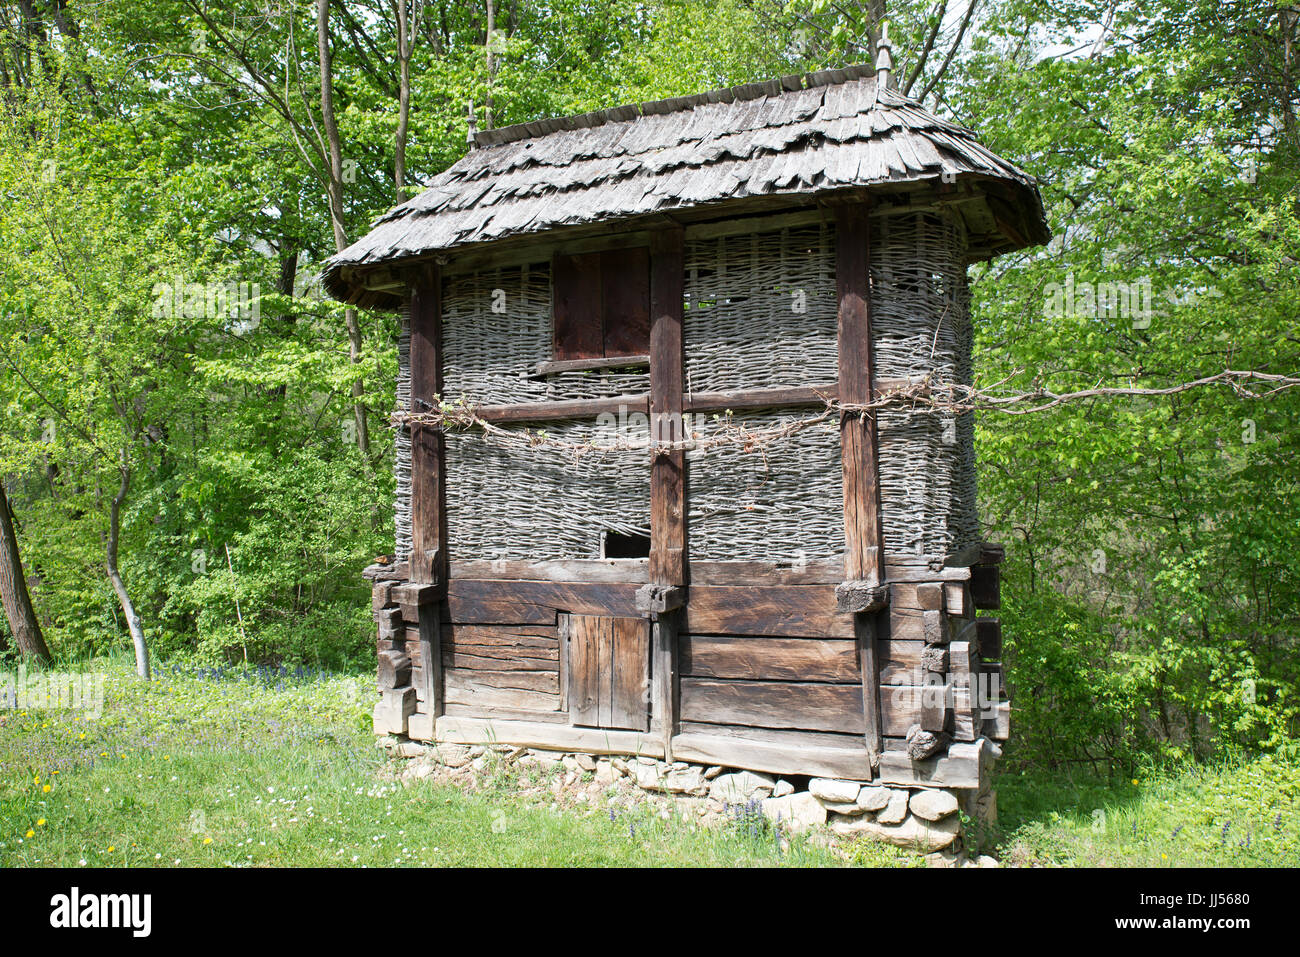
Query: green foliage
[1152,588]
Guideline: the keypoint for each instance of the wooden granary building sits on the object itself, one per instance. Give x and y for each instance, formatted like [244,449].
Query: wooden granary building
[633,516]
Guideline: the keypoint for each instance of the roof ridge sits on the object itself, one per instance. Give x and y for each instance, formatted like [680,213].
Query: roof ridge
[779,86]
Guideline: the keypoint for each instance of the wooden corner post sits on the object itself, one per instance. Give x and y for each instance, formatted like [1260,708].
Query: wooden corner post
[864,591]
[668,561]
[428,478]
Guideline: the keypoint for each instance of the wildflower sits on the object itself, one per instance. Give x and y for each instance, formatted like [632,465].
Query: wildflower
[111,848]
[40,822]
[1135,781]
[207,840]
[45,789]
[30,833]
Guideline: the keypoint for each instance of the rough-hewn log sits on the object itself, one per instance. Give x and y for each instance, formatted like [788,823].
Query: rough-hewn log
[394,669]
[771,659]
[428,560]
[990,637]
[780,610]
[864,544]
[986,586]
[428,475]
[773,704]
[668,470]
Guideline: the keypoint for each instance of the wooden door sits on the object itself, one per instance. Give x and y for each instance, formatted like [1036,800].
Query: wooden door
[609,671]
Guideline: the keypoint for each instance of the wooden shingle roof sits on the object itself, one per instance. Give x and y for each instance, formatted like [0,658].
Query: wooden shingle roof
[798,136]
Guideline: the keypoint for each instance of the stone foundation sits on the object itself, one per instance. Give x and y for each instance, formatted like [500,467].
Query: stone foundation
[928,820]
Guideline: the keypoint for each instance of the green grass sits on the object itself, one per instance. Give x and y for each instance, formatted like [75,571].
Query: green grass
[221,772]
[1241,813]
[218,770]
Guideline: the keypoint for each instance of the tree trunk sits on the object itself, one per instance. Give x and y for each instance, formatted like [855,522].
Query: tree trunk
[405,45]
[13,590]
[334,188]
[114,576]
[491,63]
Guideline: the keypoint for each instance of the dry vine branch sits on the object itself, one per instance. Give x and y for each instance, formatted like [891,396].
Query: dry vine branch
[924,395]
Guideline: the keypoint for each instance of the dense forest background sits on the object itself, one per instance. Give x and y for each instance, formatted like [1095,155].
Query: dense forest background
[195,440]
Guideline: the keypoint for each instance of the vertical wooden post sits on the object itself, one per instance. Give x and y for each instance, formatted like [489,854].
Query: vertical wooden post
[864,553]
[668,471]
[428,477]
[668,559]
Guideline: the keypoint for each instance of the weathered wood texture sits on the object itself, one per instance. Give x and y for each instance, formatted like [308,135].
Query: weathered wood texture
[549,736]
[986,586]
[501,668]
[774,704]
[776,752]
[428,456]
[990,637]
[665,672]
[600,304]
[668,469]
[428,561]
[761,574]
[862,557]
[770,659]
[576,307]
[503,601]
[781,610]
[608,668]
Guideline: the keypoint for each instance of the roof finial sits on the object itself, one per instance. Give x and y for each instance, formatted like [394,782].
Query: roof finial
[884,57]
[473,128]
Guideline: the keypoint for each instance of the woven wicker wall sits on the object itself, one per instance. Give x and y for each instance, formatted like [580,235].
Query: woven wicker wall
[497,328]
[920,319]
[783,504]
[538,504]
[760,312]
[510,504]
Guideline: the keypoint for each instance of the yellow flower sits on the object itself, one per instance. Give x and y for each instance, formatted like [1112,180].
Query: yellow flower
[38,779]
[45,789]
[111,849]
[1135,781]
[82,736]
[207,840]
[30,832]
[1164,857]
[40,822]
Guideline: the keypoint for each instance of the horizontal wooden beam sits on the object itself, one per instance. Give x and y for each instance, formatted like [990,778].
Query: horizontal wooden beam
[852,763]
[760,398]
[552,366]
[553,737]
[566,409]
[634,570]
[736,401]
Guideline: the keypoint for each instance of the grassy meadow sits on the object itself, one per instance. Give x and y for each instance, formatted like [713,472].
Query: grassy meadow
[279,768]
